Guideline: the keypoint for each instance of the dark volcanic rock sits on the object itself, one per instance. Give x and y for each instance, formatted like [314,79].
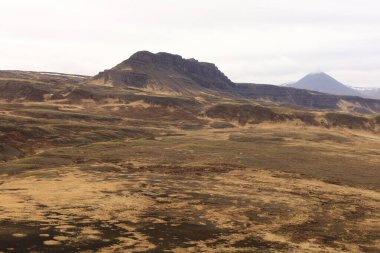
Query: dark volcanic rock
[203,73]
[171,72]
[117,78]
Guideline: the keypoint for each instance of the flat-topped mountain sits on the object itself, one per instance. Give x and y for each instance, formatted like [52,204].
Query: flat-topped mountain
[324,83]
[172,80]
[164,72]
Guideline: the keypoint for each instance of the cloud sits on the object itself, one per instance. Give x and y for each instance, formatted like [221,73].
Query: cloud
[271,41]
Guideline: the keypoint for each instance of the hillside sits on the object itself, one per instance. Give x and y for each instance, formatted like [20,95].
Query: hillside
[369,92]
[164,154]
[308,99]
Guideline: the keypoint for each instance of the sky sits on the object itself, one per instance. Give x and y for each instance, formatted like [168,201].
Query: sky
[260,41]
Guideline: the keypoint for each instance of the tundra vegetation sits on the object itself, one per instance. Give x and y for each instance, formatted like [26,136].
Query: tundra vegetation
[90,165]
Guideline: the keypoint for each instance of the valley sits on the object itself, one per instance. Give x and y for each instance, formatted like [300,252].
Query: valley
[164,154]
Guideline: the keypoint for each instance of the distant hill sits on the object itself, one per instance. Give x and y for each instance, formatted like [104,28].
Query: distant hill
[324,83]
[370,92]
[307,98]
[164,72]
[171,80]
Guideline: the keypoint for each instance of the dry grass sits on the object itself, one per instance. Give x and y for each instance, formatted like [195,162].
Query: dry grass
[182,183]
[238,210]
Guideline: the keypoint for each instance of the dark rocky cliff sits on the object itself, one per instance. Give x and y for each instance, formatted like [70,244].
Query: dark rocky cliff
[145,68]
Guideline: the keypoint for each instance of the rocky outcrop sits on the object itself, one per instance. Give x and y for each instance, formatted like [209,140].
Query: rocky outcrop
[203,73]
[171,72]
[123,78]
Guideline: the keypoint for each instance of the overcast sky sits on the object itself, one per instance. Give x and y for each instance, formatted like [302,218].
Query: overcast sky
[262,41]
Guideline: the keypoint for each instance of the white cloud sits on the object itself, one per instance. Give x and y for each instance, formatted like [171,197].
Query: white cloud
[271,41]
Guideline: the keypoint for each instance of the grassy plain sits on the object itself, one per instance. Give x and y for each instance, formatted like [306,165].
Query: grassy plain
[121,178]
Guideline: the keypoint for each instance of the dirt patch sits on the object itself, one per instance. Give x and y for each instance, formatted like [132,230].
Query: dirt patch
[152,209]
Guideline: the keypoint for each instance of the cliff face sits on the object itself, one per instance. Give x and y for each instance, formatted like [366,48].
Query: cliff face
[163,71]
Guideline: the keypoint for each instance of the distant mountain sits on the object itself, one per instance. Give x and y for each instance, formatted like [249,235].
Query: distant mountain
[322,82]
[370,92]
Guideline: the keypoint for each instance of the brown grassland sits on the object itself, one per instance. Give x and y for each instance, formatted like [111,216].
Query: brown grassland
[139,177]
